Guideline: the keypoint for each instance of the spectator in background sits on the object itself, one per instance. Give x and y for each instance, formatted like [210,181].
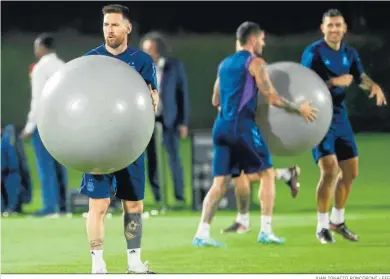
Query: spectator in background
[16,184]
[10,176]
[173,113]
[53,176]
[30,69]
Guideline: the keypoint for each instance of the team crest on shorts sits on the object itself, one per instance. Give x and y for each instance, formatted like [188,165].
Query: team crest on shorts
[90,186]
[326,146]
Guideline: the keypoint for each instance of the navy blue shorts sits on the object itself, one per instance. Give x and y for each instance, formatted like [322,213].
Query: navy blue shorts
[339,141]
[127,184]
[246,152]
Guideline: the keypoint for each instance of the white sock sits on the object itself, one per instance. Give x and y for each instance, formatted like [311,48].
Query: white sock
[266,224]
[323,221]
[203,230]
[133,257]
[337,216]
[283,174]
[243,219]
[97,260]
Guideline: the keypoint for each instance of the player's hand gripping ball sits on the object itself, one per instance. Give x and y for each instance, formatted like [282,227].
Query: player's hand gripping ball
[288,133]
[96,115]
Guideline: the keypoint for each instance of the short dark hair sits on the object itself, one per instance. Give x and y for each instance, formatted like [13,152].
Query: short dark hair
[245,30]
[46,40]
[117,9]
[331,13]
[163,47]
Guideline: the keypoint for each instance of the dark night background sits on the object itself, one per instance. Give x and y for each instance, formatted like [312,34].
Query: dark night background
[196,16]
[201,33]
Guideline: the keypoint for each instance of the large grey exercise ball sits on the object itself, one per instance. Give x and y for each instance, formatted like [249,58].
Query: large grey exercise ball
[286,133]
[95,115]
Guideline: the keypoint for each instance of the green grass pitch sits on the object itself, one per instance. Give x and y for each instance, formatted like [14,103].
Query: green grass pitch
[59,245]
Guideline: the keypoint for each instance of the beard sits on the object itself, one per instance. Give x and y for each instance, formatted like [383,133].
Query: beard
[335,37]
[115,42]
[258,51]
[258,54]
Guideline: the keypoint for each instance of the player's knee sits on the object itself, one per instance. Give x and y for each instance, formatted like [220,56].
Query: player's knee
[242,183]
[330,173]
[268,175]
[329,169]
[353,174]
[98,207]
[253,177]
[221,183]
[133,206]
[267,179]
[349,176]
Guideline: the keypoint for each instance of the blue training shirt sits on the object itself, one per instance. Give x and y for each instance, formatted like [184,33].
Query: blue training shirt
[136,58]
[140,61]
[237,88]
[329,63]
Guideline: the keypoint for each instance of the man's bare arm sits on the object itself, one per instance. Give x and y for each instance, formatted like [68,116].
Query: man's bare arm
[366,82]
[215,98]
[264,84]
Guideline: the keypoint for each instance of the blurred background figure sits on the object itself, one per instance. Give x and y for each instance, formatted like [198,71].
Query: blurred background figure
[52,175]
[16,184]
[172,114]
[10,177]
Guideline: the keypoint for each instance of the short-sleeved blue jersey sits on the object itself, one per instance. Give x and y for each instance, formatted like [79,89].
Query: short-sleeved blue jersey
[329,63]
[139,60]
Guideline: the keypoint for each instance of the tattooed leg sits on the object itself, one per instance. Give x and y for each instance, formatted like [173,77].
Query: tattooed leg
[133,234]
[96,244]
[210,204]
[95,231]
[242,191]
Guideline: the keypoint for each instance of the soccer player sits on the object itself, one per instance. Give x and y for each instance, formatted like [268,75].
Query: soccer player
[338,65]
[238,144]
[128,183]
[242,192]
[242,185]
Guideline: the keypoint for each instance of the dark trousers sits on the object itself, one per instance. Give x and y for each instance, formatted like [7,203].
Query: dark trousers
[171,141]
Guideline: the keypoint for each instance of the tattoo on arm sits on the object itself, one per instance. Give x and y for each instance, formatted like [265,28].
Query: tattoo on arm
[290,106]
[265,86]
[366,82]
[263,81]
[96,244]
